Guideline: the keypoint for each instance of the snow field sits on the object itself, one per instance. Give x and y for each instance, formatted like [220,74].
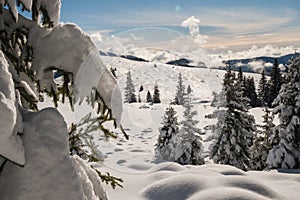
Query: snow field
[148,178]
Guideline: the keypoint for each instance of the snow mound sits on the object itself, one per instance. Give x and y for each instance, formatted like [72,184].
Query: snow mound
[220,169]
[140,167]
[250,185]
[227,193]
[49,172]
[176,187]
[169,166]
[208,182]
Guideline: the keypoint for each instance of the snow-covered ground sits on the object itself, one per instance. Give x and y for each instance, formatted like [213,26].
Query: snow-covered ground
[147,178]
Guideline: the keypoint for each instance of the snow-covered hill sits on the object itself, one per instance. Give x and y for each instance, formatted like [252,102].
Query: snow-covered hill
[142,121]
[148,178]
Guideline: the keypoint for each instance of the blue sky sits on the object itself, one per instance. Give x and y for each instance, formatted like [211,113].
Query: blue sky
[235,24]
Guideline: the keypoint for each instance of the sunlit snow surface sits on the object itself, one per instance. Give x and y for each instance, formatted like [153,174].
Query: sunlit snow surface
[147,178]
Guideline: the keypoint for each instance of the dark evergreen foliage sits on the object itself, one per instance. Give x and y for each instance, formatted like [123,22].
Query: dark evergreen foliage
[233,133]
[164,147]
[263,90]
[156,95]
[139,98]
[274,83]
[141,88]
[286,136]
[149,97]
[180,93]
[250,91]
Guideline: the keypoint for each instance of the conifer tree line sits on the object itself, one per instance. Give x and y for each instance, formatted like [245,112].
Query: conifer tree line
[267,90]
[130,96]
[236,139]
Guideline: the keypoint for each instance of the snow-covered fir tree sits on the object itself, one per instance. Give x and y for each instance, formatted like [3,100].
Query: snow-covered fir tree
[35,47]
[286,151]
[233,133]
[149,97]
[165,147]
[262,142]
[180,92]
[248,87]
[241,77]
[156,94]
[250,91]
[189,148]
[141,88]
[274,83]
[130,96]
[263,90]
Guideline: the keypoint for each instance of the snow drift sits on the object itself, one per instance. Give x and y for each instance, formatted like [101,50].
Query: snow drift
[50,173]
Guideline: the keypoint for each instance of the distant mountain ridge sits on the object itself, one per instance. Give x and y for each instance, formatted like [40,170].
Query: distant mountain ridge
[184,62]
[245,64]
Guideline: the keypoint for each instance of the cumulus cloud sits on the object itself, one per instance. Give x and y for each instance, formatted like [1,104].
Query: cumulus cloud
[254,51]
[97,37]
[193,24]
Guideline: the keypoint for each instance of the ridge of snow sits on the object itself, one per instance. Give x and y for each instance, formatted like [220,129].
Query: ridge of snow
[53,9]
[70,49]
[10,143]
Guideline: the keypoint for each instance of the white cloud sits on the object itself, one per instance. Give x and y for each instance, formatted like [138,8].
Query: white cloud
[254,51]
[267,50]
[97,37]
[193,24]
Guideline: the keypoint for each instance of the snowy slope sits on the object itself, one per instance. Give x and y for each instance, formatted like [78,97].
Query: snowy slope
[142,124]
[147,178]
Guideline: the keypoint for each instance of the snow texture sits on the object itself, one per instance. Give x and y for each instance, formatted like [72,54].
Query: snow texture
[90,180]
[133,160]
[285,153]
[10,119]
[168,181]
[70,49]
[50,173]
[52,7]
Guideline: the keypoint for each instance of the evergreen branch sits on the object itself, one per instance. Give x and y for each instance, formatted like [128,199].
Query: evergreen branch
[108,179]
